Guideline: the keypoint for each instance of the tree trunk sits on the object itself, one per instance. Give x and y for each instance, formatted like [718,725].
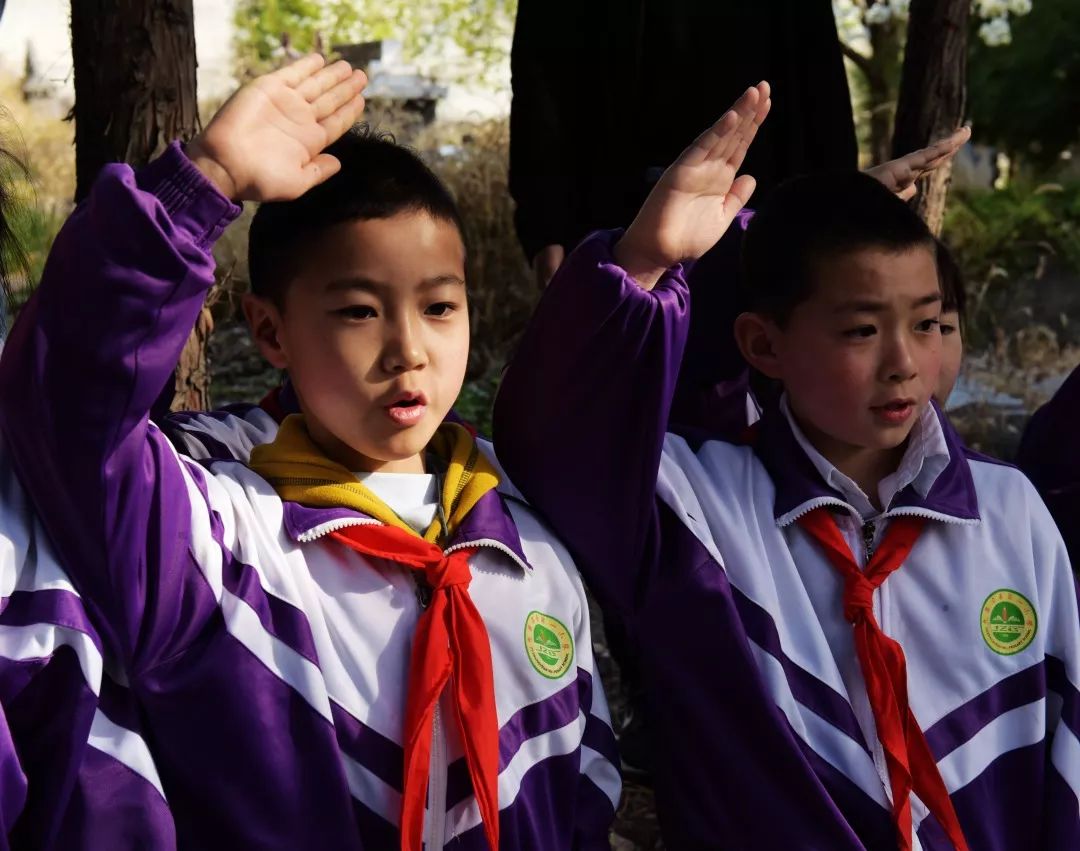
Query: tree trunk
[933,91]
[134,93]
[883,81]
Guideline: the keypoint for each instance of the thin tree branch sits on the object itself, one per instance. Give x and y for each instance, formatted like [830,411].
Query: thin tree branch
[861,62]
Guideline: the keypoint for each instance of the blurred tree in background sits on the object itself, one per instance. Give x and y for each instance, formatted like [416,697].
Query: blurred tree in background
[473,36]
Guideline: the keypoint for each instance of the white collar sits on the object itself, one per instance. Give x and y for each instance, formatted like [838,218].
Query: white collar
[926,456]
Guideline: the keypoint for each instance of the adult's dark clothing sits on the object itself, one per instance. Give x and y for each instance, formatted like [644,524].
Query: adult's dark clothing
[607,93]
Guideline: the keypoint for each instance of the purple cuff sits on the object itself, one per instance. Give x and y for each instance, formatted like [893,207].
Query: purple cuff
[193,202]
[599,248]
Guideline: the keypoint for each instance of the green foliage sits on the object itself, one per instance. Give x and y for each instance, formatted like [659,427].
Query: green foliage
[260,25]
[1019,249]
[33,227]
[1026,98]
[481,30]
[476,401]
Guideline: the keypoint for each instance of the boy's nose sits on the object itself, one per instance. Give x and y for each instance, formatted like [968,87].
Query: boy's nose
[899,364]
[403,349]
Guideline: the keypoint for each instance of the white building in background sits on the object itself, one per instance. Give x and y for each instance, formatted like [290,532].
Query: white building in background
[44,25]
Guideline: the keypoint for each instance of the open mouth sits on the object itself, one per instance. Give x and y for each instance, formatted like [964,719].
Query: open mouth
[407,408]
[896,411]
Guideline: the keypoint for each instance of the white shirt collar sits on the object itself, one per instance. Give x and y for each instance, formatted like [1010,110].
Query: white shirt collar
[926,456]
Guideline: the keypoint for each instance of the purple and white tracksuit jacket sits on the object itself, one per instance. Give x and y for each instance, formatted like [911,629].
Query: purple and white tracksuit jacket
[754,696]
[205,670]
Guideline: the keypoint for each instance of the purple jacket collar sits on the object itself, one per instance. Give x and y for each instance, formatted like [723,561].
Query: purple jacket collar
[489,524]
[798,482]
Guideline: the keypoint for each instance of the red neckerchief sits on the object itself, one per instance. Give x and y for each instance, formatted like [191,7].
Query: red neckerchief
[450,647]
[911,764]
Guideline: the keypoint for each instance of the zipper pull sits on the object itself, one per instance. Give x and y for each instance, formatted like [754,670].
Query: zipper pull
[868,539]
[423,591]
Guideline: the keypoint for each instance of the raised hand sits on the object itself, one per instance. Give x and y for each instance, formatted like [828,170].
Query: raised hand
[698,197]
[265,143]
[899,175]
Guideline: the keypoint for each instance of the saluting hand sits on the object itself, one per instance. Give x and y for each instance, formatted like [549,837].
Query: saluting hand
[266,142]
[698,197]
[899,175]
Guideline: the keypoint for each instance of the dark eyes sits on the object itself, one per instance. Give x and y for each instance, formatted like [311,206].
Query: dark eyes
[864,331]
[363,311]
[356,311]
[442,308]
[947,329]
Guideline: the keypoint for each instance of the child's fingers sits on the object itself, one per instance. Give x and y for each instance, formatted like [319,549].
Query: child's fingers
[745,108]
[935,154]
[908,192]
[335,124]
[738,196]
[332,100]
[704,144]
[296,72]
[752,109]
[319,169]
[745,136]
[315,85]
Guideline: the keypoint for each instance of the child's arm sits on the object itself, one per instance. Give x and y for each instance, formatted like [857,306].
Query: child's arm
[582,411]
[92,349]
[12,783]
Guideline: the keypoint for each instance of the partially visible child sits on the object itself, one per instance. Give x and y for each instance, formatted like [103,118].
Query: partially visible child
[953,302]
[1050,455]
[358,641]
[75,772]
[854,633]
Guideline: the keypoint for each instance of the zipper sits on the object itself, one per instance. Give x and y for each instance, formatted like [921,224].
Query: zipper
[493,544]
[334,526]
[868,530]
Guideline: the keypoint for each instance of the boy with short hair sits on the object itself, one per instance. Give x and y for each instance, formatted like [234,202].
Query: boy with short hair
[854,633]
[359,640]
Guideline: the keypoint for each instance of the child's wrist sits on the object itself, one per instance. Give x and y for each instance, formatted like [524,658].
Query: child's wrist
[211,169]
[644,269]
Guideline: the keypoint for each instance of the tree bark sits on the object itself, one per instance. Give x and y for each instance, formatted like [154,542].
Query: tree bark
[883,80]
[135,92]
[933,91]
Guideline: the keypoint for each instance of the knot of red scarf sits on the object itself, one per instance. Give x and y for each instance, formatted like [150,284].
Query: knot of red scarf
[910,763]
[450,647]
[859,598]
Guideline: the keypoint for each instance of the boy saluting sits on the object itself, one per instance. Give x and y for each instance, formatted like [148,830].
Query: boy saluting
[854,632]
[357,641]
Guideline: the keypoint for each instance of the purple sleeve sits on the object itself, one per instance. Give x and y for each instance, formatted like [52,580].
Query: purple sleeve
[582,412]
[1050,456]
[12,783]
[93,347]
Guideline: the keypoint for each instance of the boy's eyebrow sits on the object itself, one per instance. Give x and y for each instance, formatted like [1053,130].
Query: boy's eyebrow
[374,287]
[363,284]
[875,306]
[439,280]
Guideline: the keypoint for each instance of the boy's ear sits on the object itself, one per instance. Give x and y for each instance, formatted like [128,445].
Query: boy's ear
[755,335]
[264,322]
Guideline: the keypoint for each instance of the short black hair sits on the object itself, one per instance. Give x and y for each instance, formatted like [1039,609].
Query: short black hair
[813,218]
[953,292]
[378,178]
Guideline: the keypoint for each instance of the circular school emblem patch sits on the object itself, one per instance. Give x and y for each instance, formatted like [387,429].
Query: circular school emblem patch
[1008,621]
[548,645]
